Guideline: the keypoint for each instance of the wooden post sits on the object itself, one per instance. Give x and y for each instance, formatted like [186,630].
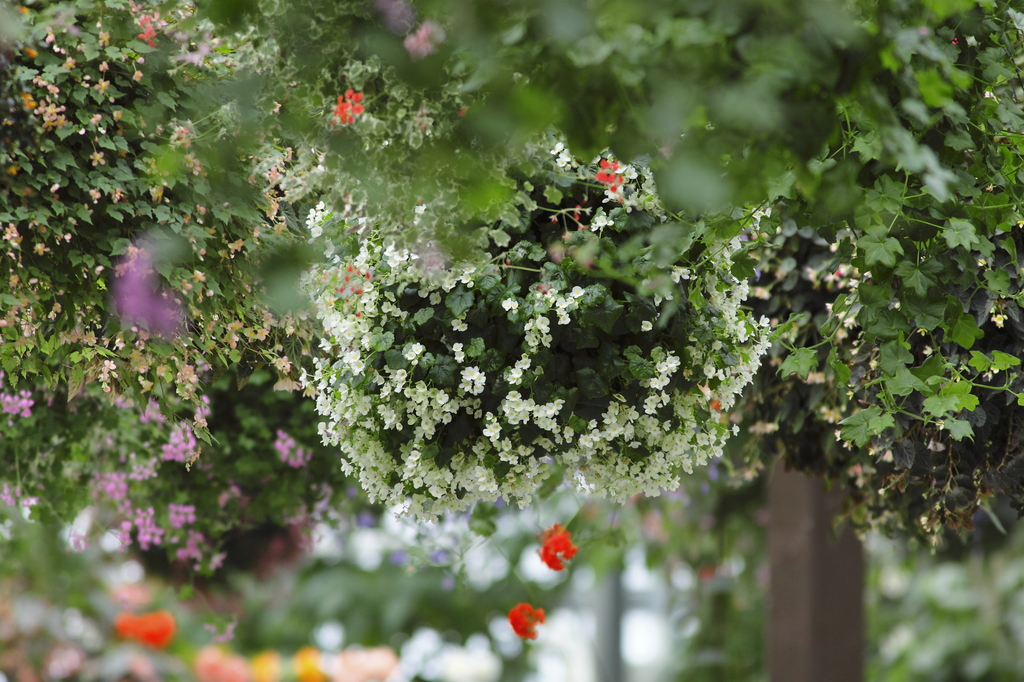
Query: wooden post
[816,595]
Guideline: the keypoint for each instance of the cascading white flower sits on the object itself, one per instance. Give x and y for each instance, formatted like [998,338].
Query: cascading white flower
[432,416]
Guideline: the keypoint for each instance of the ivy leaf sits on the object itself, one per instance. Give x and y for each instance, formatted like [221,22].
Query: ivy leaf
[998,281]
[801,361]
[877,247]
[553,195]
[959,428]
[1003,361]
[903,382]
[501,238]
[979,361]
[919,277]
[459,300]
[841,370]
[895,356]
[861,426]
[940,405]
[965,331]
[959,233]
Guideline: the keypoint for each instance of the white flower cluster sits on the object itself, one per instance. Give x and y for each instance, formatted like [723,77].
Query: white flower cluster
[361,405]
[315,218]
[388,407]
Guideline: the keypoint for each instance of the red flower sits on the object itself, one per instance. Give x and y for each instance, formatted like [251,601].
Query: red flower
[155,629]
[524,619]
[348,107]
[609,175]
[557,545]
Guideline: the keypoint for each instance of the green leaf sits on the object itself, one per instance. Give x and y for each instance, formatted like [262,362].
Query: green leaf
[422,315]
[877,247]
[935,89]
[553,195]
[590,383]
[444,371]
[965,331]
[859,427]
[998,281]
[604,314]
[939,405]
[1002,361]
[894,356]
[381,341]
[960,233]
[903,382]
[888,324]
[801,361]
[395,359]
[959,428]
[475,348]
[841,370]
[980,361]
[501,238]
[459,300]
[483,520]
[919,277]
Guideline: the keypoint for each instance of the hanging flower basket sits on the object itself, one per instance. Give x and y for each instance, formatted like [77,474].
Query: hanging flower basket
[444,386]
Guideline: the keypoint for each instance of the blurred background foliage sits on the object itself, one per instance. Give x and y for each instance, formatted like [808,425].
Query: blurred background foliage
[692,576]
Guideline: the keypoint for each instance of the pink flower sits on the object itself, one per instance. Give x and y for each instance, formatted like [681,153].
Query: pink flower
[212,664]
[139,300]
[425,40]
[363,665]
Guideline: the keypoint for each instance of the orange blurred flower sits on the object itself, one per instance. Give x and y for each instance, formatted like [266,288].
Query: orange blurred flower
[306,663]
[266,667]
[155,629]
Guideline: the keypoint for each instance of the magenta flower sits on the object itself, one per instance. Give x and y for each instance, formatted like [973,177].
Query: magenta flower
[140,300]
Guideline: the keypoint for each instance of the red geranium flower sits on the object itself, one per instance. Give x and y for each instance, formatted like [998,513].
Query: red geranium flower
[524,619]
[155,629]
[348,107]
[609,174]
[557,545]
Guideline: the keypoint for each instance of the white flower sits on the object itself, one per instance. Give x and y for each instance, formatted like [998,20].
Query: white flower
[646,326]
[435,298]
[460,355]
[510,304]
[600,220]
[493,429]
[413,351]
[459,325]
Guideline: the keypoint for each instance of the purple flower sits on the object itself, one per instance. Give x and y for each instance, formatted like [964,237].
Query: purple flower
[138,298]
